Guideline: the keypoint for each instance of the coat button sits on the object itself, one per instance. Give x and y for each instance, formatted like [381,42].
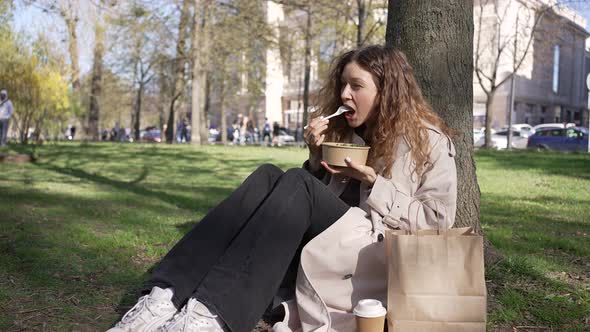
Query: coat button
[380,237]
[348,276]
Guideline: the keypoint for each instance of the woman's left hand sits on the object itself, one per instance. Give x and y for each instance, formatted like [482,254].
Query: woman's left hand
[363,173]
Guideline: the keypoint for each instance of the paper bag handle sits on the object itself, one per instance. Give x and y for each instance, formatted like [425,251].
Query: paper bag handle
[436,201]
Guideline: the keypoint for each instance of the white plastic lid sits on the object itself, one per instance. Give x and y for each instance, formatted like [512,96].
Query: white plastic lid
[369,308]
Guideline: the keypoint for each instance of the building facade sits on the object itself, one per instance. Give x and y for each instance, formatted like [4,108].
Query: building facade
[549,43]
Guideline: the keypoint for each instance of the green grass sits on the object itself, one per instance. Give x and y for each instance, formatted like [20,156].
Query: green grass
[535,208]
[80,227]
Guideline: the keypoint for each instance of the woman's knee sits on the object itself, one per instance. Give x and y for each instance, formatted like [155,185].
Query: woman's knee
[269,169]
[296,174]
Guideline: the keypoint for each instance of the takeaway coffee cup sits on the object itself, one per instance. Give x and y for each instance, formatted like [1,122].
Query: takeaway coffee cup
[370,316]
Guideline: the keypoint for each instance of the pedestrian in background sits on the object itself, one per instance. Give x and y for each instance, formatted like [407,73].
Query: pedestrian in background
[275,133]
[266,131]
[6,110]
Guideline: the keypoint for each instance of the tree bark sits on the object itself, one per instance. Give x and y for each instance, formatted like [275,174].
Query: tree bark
[205,109]
[361,24]
[223,116]
[196,81]
[437,37]
[179,68]
[307,65]
[199,51]
[71,23]
[137,118]
[96,85]
[488,123]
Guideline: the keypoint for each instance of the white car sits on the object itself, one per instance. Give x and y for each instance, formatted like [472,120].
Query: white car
[525,129]
[285,138]
[553,126]
[479,133]
[500,140]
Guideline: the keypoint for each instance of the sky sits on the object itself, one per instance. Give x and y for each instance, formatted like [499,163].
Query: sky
[31,20]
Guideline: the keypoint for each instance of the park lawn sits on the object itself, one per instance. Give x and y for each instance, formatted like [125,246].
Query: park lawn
[81,225]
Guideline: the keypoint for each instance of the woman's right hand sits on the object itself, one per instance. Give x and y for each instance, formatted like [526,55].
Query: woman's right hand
[314,137]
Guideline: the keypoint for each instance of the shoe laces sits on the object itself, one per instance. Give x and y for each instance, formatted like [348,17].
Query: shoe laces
[188,318]
[142,303]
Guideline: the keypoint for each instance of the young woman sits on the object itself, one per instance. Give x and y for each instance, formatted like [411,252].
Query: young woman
[313,237]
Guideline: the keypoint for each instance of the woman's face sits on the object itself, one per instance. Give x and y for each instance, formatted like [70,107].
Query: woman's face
[358,93]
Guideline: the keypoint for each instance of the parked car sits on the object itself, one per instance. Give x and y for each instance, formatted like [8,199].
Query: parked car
[151,135]
[479,133]
[525,129]
[500,140]
[285,138]
[562,139]
[215,135]
[553,126]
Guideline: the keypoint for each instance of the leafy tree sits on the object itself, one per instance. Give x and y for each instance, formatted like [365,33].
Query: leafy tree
[136,40]
[179,68]
[235,63]
[37,84]
[68,11]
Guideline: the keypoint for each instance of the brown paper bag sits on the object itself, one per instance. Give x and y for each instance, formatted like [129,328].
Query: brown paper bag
[436,280]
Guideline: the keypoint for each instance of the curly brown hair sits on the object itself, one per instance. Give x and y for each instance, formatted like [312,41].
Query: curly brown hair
[400,111]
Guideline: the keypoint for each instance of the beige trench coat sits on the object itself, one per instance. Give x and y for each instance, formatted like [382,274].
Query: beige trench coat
[346,262]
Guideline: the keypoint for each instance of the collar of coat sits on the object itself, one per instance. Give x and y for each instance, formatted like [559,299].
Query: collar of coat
[436,136]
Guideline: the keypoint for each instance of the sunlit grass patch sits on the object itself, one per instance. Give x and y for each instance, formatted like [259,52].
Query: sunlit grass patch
[81,226]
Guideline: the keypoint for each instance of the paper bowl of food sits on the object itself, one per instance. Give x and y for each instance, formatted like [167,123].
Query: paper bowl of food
[334,153]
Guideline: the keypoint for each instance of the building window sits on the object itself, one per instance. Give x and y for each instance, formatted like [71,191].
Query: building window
[543,109]
[542,120]
[555,68]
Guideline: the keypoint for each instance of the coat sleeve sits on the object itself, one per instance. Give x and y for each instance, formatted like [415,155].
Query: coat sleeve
[432,206]
[321,174]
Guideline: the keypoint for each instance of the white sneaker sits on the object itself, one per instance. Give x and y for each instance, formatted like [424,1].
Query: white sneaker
[194,317]
[150,312]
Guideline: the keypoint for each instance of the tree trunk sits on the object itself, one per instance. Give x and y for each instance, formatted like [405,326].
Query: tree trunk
[510,111]
[39,126]
[488,123]
[307,65]
[137,118]
[164,91]
[170,123]
[437,38]
[205,110]
[198,45]
[73,49]
[223,117]
[179,68]
[361,24]
[96,85]
[205,73]
[196,96]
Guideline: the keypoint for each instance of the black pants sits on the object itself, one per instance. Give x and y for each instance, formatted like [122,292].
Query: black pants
[236,258]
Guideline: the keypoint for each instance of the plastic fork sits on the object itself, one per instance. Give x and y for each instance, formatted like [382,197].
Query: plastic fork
[340,110]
